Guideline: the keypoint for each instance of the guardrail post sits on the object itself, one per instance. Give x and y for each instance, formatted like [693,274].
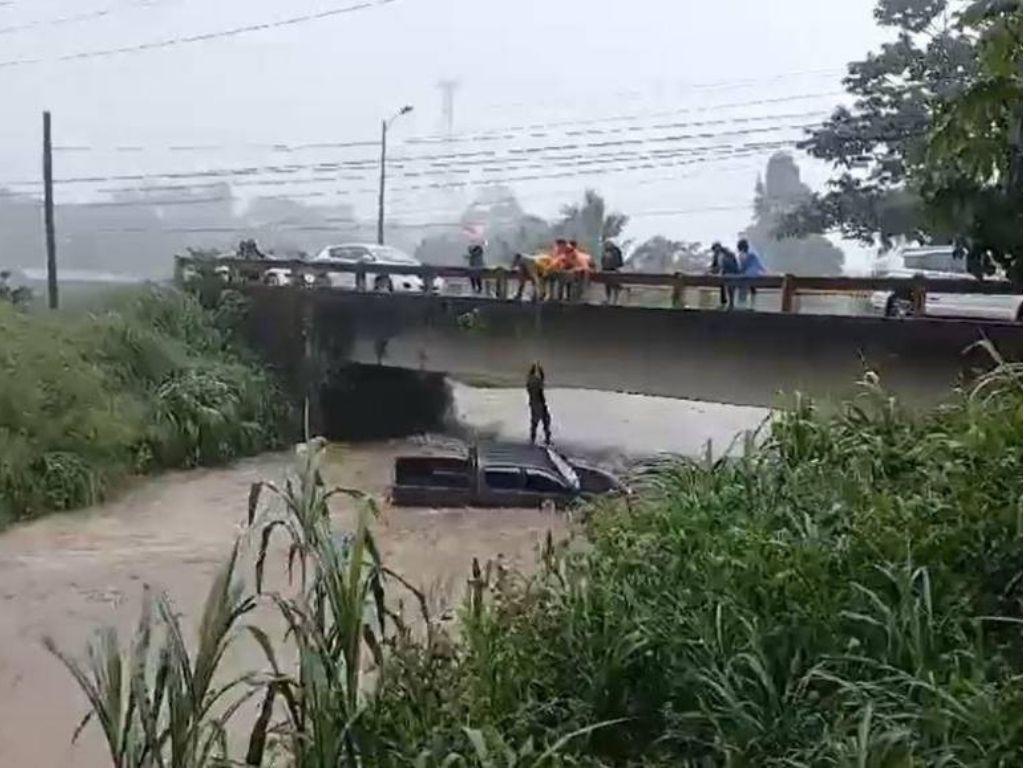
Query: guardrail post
[361,278]
[427,276]
[678,292]
[501,284]
[918,297]
[788,292]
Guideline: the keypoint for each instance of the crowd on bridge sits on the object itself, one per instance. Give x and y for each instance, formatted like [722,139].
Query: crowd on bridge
[563,272]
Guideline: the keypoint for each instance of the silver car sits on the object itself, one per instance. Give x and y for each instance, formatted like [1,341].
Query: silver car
[938,262]
[369,255]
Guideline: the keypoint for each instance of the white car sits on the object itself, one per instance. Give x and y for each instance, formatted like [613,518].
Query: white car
[938,262]
[370,254]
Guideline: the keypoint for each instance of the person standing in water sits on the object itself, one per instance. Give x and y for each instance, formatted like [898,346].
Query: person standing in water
[538,404]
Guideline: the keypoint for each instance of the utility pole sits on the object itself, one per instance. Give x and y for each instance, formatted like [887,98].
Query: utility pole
[448,88]
[51,243]
[380,194]
[383,162]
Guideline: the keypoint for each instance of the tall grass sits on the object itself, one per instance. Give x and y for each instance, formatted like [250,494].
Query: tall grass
[846,593]
[148,380]
[849,592]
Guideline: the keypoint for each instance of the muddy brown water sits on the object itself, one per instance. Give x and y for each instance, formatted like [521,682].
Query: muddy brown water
[65,575]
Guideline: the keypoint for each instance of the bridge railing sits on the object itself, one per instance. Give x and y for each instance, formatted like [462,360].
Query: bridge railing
[914,289]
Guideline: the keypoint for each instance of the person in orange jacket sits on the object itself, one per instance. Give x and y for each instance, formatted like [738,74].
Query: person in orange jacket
[579,265]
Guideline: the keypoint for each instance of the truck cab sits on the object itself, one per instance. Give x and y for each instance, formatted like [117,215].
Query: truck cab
[497,475]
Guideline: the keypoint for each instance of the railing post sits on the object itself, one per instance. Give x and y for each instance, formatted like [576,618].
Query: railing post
[788,292]
[678,292]
[918,297]
[361,278]
[427,276]
[501,284]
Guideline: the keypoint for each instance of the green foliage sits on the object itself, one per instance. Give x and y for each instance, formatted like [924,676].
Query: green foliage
[845,593]
[590,223]
[510,230]
[849,592]
[149,381]
[20,296]
[157,703]
[661,254]
[781,193]
[931,147]
[971,174]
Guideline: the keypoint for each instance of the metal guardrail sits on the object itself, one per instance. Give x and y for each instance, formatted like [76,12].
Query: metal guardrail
[914,288]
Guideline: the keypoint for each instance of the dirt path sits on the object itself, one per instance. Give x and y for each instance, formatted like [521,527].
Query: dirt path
[67,574]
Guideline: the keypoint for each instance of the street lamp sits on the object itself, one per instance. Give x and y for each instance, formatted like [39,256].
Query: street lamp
[383,153]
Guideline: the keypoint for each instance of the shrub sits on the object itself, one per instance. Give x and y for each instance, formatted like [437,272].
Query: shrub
[146,381]
[848,591]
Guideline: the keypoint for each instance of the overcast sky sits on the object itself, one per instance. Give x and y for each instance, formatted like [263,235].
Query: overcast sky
[658,66]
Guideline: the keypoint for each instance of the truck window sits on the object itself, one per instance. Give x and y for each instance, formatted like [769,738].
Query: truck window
[502,479]
[541,482]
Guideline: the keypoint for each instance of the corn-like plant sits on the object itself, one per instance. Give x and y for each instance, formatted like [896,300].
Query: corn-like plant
[159,705]
[337,617]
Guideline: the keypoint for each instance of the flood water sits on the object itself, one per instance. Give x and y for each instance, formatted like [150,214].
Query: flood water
[66,574]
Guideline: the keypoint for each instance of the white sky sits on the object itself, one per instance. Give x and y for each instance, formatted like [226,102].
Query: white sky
[517,61]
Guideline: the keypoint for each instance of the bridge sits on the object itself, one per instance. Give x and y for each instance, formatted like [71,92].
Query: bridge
[741,357]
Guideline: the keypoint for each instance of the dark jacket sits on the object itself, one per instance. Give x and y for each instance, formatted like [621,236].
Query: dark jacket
[535,390]
[611,258]
[724,263]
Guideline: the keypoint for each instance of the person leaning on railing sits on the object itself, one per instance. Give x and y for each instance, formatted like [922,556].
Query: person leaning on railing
[724,264]
[528,271]
[749,264]
[611,261]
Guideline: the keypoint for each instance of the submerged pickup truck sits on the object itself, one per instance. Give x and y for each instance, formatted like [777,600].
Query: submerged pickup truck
[497,475]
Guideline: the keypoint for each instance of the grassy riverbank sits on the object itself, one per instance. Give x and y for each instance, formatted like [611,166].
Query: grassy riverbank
[846,593]
[849,593]
[145,380]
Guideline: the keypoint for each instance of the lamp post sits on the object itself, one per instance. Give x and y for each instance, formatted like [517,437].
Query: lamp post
[383,155]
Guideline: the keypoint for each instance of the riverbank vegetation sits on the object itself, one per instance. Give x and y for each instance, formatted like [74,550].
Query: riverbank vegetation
[848,592]
[144,381]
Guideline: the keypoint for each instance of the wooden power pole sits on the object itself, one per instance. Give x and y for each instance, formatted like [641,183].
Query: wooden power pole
[51,244]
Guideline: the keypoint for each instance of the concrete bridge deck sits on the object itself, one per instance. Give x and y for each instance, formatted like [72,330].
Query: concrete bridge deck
[743,358]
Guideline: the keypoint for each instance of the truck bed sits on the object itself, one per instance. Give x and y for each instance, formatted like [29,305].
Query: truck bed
[432,481]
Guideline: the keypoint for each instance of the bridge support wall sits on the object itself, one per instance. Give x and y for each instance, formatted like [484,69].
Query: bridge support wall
[744,358]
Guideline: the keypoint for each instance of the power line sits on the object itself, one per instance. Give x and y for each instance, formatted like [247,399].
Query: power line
[367,225]
[455,159]
[203,37]
[636,127]
[650,160]
[725,153]
[70,18]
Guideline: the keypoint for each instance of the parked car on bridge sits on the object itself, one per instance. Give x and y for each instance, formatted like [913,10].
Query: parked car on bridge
[371,255]
[938,262]
[498,475]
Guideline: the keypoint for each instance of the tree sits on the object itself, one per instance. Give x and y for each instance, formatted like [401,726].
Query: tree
[590,223]
[660,254]
[937,112]
[778,195]
[971,173]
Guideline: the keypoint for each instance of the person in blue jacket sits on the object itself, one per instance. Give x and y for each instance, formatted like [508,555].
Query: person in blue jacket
[750,265]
